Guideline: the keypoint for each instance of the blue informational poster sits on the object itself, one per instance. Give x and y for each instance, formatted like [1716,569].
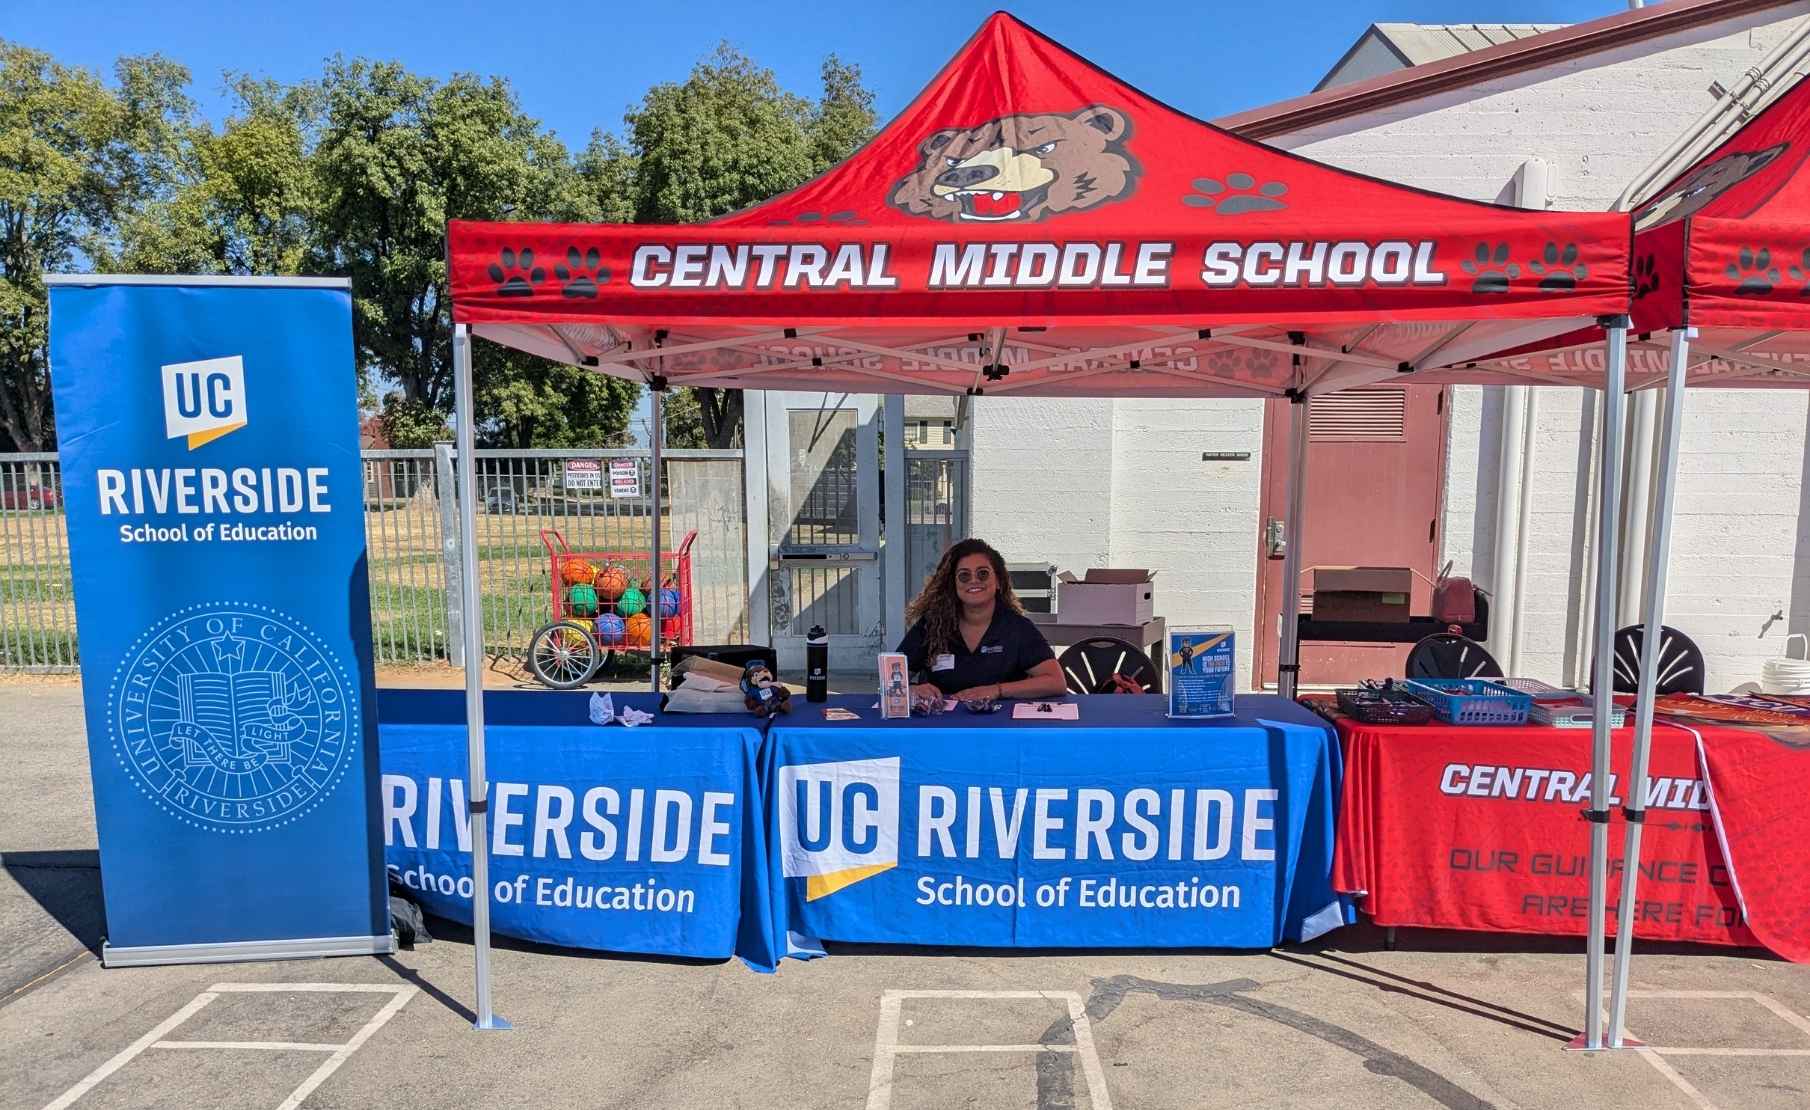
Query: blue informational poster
[644,839]
[208,431]
[1203,672]
[1123,828]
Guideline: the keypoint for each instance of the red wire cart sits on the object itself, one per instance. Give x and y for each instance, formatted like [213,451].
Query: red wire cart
[608,601]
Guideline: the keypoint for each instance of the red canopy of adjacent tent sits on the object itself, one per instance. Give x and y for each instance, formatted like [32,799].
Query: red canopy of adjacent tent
[1030,224]
[1724,247]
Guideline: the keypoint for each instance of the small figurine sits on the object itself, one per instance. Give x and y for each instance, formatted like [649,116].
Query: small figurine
[762,693]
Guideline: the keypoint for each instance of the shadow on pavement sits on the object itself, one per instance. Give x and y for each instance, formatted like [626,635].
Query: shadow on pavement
[67,884]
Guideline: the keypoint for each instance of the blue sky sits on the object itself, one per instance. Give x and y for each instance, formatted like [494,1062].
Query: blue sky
[577,66]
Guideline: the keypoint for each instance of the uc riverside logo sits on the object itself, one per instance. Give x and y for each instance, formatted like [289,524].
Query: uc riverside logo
[839,822]
[232,717]
[203,400]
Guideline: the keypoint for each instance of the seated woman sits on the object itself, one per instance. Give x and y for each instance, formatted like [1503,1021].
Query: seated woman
[970,640]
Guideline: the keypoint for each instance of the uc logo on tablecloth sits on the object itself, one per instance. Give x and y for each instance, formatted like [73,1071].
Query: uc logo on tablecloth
[233,718]
[203,400]
[838,822]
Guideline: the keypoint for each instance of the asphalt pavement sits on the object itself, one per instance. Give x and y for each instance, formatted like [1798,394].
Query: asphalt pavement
[1446,1020]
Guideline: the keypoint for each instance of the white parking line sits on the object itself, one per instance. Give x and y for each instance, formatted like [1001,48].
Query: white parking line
[887,1048]
[340,1052]
[1655,1054]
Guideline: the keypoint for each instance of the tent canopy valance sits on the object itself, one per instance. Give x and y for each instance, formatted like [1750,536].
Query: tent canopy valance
[1724,247]
[1032,225]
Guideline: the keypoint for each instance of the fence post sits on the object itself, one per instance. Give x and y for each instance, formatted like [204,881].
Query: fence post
[451,568]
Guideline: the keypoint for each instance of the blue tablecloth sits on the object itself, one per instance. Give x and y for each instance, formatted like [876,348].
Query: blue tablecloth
[629,840]
[1121,829]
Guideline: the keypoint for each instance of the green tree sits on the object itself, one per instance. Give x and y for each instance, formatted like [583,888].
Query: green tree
[726,137]
[76,156]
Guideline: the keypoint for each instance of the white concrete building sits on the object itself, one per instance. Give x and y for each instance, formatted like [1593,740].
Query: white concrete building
[1569,118]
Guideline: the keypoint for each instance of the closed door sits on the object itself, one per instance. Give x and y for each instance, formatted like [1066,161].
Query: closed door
[1375,476]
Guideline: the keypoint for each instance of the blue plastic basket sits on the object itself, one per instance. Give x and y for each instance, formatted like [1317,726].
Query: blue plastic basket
[1471,701]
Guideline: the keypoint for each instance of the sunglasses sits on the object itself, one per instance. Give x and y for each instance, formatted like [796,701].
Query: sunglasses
[967,576]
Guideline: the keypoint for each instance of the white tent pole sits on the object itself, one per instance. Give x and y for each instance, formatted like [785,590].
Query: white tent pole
[1288,664]
[1658,550]
[1608,521]
[477,789]
[655,437]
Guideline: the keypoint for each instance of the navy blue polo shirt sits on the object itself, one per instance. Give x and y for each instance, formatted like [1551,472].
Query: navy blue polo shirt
[1011,647]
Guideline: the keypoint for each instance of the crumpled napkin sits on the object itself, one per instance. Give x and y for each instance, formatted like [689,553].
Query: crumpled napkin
[603,709]
[630,716]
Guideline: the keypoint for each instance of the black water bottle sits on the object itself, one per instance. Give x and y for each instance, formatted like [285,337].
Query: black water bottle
[817,664]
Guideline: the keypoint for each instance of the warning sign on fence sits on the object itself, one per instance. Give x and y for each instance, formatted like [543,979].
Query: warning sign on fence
[584,474]
[625,478]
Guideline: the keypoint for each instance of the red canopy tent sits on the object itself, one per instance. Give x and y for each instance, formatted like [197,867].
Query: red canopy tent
[1032,225]
[1722,279]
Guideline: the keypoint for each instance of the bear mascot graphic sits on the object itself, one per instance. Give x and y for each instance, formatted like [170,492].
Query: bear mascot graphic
[1704,184]
[1022,168]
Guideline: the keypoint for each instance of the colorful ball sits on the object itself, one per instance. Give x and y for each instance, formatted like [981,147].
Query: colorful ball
[610,629]
[669,602]
[640,628]
[669,629]
[577,572]
[581,601]
[631,602]
[611,582]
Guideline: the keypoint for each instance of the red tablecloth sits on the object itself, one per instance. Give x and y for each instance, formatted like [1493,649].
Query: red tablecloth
[1479,828]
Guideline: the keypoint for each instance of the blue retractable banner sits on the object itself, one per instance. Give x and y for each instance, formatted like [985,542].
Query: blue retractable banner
[208,431]
[1125,828]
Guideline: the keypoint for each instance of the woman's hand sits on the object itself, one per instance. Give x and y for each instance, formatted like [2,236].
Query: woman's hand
[989,692]
[925,691]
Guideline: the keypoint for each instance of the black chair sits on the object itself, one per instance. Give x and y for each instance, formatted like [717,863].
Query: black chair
[1681,666]
[1090,667]
[1448,655]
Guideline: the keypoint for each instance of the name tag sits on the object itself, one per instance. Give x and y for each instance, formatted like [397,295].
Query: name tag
[992,649]
[944,662]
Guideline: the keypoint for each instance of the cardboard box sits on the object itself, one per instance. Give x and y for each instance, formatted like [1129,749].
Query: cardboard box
[1106,595]
[1362,593]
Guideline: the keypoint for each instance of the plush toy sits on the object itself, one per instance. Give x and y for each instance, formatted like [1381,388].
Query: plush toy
[640,629]
[577,572]
[611,581]
[581,600]
[631,602]
[610,629]
[762,693]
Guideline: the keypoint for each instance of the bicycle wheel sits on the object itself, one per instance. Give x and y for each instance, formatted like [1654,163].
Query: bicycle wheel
[563,655]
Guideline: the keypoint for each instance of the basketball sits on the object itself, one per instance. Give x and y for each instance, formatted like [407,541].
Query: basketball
[669,602]
[611,582]
[581,601]
[640,628]
[577,572]
[631,602]
[610,629]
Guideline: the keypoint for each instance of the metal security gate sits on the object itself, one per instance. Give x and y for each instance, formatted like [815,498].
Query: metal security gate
[823,516]
[936,510]
[412,540]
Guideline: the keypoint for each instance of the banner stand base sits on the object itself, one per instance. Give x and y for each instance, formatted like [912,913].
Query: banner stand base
[496,1024]
[242,951]
[1578,1044]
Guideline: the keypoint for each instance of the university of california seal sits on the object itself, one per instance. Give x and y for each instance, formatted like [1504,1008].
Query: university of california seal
[233,717]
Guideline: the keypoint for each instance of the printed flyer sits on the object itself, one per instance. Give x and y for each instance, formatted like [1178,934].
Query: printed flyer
[1203,672]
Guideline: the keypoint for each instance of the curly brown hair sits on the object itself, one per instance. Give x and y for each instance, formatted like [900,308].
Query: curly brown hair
[939,607]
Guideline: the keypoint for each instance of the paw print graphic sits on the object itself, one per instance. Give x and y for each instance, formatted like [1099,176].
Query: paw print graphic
[1491,268]
[1802,273]
[516,275]
[1646,275]
[1754,270]
[1558,269]
[844,218]
[1237,194]
[579,275]
[1225,361]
